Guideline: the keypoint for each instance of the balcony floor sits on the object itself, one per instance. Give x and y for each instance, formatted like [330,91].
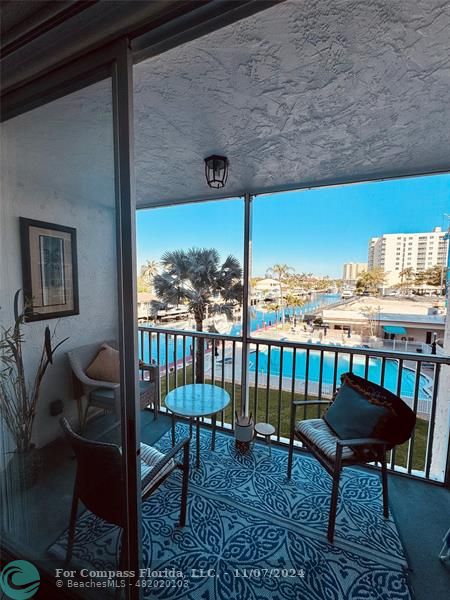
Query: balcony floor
[420,511]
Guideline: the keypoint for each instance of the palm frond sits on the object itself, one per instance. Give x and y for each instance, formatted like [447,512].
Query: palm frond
[233,292]
[156,306]
[225,308]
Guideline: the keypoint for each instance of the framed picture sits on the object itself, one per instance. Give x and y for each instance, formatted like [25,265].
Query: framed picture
[49,269]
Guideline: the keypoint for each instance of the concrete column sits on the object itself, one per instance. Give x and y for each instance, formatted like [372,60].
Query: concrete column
[441,431]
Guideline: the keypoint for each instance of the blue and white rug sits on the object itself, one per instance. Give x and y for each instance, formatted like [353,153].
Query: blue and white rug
[253,535]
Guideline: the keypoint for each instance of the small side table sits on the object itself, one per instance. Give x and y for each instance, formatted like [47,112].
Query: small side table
[194,401]
[266,430]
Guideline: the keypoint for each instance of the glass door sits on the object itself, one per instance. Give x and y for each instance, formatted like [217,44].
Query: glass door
[63,509]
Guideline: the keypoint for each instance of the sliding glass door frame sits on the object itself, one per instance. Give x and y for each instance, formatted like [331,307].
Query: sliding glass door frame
[115,62]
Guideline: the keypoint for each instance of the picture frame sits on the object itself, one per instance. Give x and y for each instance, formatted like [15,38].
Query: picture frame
[49,269]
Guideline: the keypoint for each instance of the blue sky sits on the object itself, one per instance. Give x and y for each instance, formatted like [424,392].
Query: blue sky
[311,230]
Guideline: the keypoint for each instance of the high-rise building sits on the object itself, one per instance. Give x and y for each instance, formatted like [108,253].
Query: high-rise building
[352,271]
[395,252]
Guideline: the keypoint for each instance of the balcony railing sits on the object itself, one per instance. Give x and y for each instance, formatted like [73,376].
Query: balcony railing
[280,371]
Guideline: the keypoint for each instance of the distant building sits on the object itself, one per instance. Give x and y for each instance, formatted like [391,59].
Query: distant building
[352,271]
[267,284]
[415,322]
[144,301]
[395,252]
[265,290]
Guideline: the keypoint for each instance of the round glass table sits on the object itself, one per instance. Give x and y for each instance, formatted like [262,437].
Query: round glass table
[195,401]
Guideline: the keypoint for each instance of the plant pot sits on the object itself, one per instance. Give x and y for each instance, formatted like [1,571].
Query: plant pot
[243,432]
[24,468]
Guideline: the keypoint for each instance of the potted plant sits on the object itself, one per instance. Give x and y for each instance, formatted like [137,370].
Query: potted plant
[19,394]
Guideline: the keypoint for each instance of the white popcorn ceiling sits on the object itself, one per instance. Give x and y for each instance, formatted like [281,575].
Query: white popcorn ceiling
[303,93]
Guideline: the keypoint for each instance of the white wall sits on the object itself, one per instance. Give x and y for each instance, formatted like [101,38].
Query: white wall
[57,166]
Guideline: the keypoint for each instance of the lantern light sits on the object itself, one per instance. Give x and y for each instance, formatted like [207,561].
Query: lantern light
[216,171]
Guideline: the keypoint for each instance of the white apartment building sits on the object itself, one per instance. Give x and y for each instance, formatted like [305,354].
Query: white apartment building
[266,289]
[351,271]
[394,252]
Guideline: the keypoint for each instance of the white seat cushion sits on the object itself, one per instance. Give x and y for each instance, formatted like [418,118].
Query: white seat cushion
[149,457]
[321,436]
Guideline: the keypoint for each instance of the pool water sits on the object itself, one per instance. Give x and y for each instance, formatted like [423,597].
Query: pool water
[343,366]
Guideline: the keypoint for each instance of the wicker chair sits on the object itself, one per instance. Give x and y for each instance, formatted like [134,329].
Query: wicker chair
[99,482]
[335,453]
[105,394]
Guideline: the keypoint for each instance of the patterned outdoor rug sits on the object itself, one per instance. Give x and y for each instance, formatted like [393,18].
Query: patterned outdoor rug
[251,534]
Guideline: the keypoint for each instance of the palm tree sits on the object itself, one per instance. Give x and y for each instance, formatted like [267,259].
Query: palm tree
[407,276]
[148,271]
[274,307]
[196,278]
[371,281]
[294,302]
[280,272]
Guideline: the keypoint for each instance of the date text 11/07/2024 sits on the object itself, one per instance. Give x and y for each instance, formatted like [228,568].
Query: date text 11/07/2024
[251,573]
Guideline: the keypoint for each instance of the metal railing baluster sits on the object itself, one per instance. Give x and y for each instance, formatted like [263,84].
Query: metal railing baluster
[158,361]
[223,363]
[184,360]
[429,446]
[167,363]
[213,361]
[398,391]
[255,404]
[269,350]
[366,367]
[233,382]
[175,370]
[150,348]
[409,463]
[223,377]
[141,346]
[383,371]
[335,371]
[306,381]
[193,360]
[280,394]
[320,381]
[294,360]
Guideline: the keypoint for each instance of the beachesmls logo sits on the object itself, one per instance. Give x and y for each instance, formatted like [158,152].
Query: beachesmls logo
[19,580]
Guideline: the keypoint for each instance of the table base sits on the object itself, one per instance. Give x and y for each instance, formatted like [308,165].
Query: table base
[197,434]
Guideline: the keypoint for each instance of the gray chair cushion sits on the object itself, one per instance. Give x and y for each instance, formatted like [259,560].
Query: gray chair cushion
[322,437]
[149,457]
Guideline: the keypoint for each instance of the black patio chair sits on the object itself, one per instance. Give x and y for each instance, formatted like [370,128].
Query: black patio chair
[363,422]
[99,480]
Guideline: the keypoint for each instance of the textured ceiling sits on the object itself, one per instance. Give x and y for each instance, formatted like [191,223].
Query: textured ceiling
[303,93]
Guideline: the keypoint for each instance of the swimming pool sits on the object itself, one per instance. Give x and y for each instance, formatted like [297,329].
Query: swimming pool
[343,366]
[374,370]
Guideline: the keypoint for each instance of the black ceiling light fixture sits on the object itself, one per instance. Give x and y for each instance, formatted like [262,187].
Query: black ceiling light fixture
[216,171]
